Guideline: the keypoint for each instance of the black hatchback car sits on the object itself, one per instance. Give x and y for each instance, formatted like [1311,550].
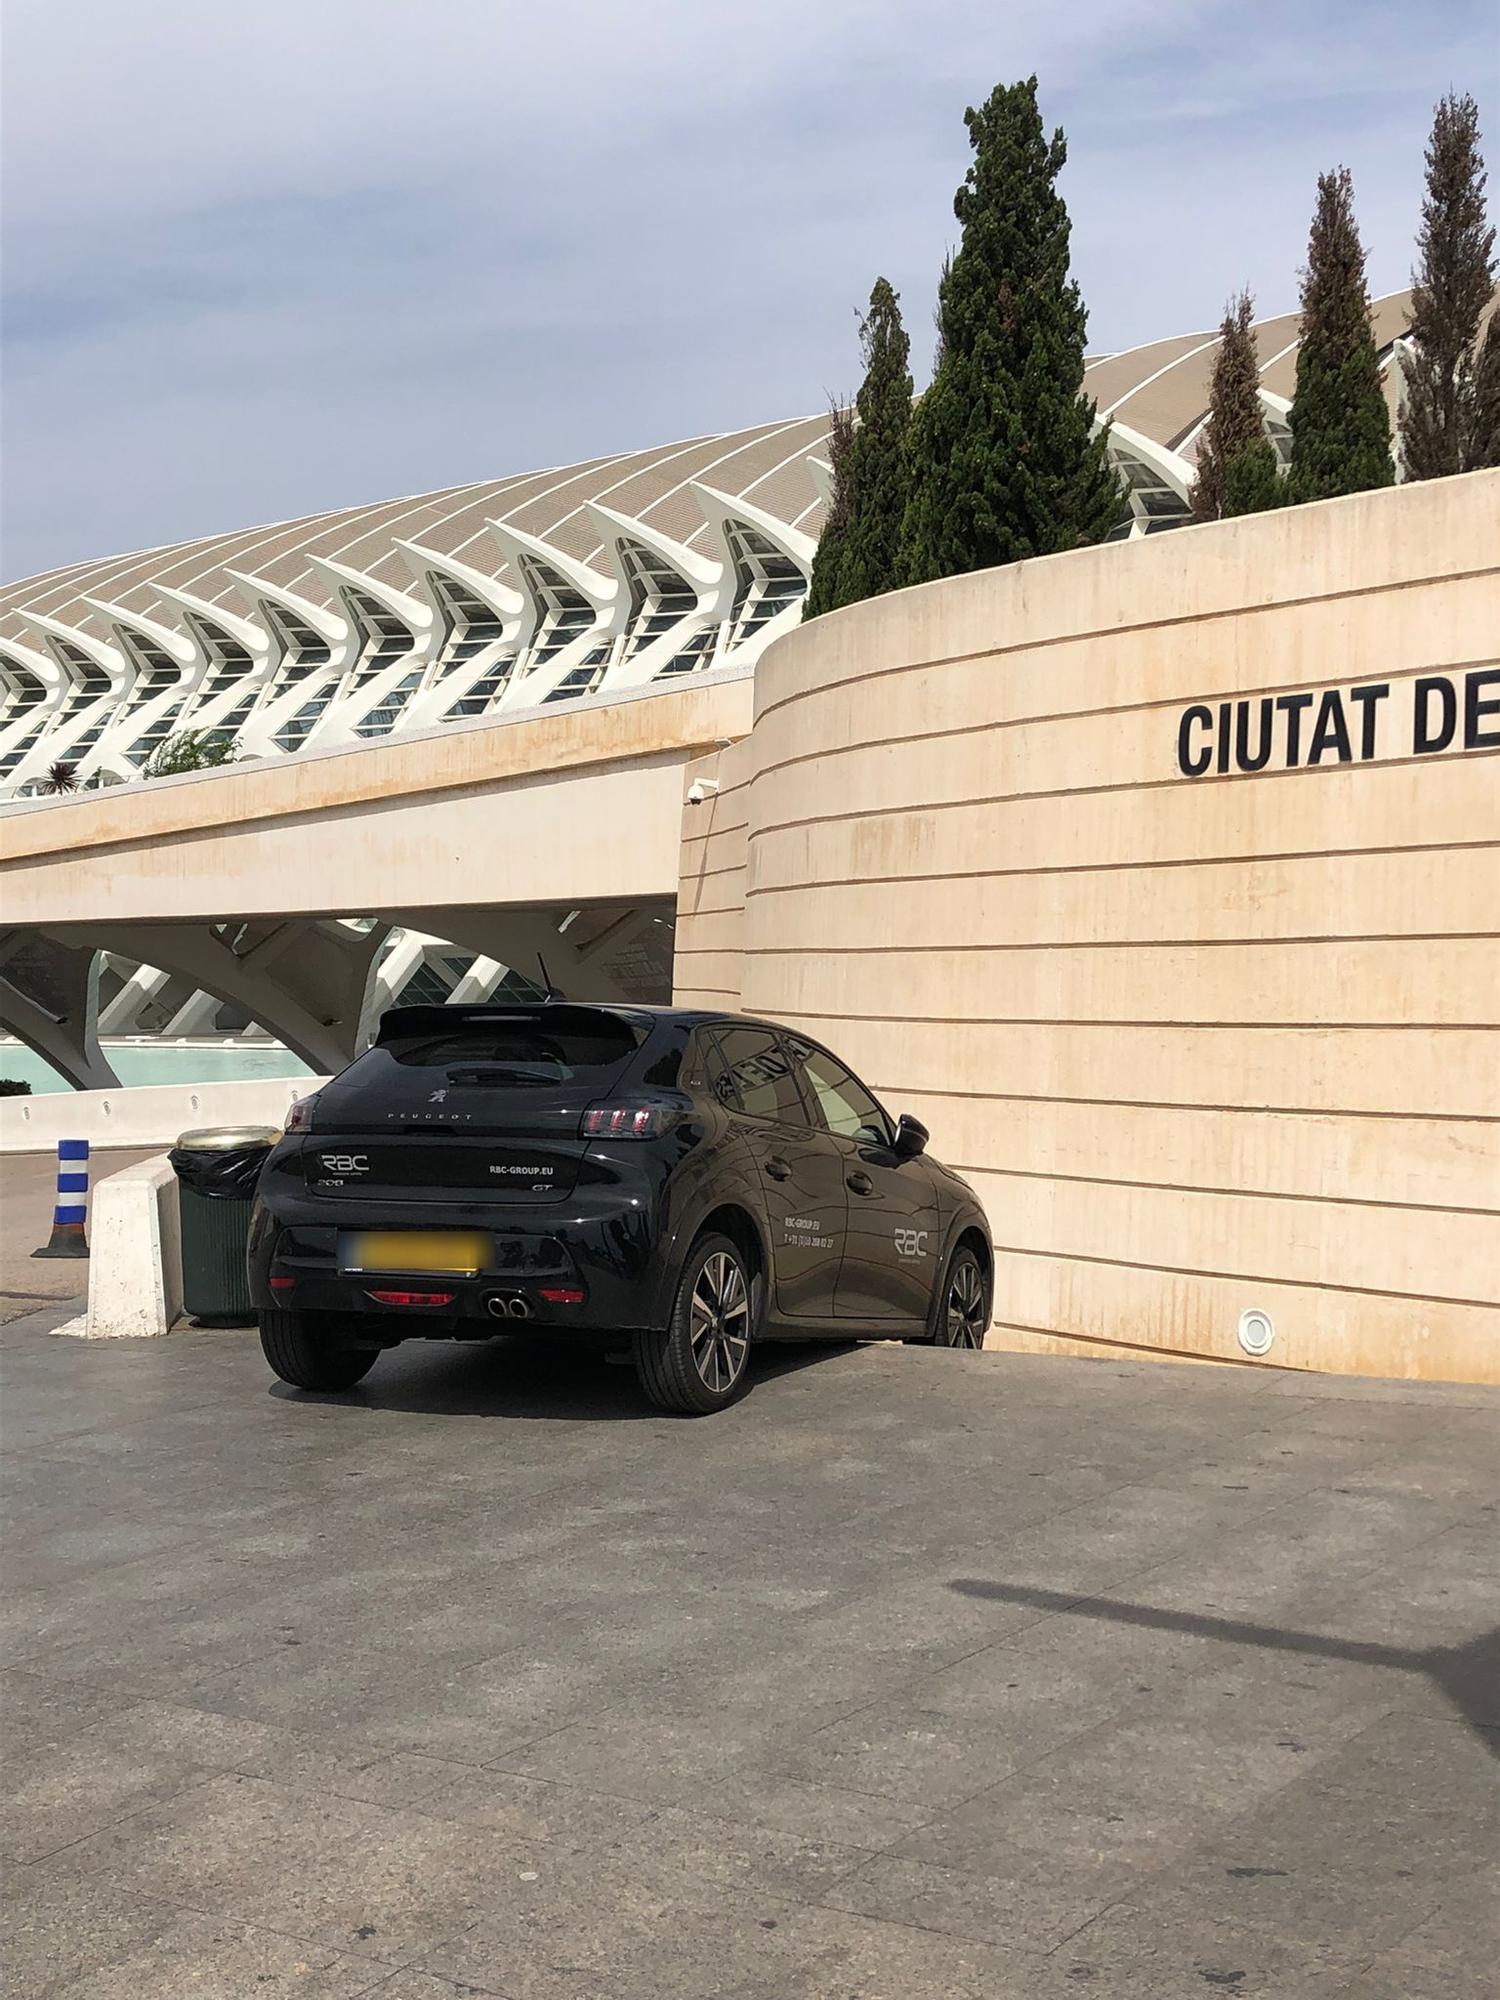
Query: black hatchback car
[699,1181]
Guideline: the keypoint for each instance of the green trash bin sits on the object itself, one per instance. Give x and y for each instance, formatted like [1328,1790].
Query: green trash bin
[217,1169]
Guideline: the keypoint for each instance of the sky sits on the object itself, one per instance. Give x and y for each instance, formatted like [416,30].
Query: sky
[265,259]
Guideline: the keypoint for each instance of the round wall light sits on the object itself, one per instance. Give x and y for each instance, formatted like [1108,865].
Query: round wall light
[1256,1331]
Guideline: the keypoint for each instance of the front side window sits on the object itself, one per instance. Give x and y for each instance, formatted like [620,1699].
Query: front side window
[756,1077]
[844,1104]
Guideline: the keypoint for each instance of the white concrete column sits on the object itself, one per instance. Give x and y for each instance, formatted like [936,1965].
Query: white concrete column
[480,981]
[122,1015]
[195,1016]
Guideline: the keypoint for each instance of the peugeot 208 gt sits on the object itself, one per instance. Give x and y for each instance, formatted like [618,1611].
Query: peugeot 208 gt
[699,1181]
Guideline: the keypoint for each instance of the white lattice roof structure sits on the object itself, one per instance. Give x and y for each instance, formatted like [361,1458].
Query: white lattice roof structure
[481,600]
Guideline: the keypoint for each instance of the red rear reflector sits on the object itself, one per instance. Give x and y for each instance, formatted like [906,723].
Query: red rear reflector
[561,1295]
[282,1284]
[412,1298]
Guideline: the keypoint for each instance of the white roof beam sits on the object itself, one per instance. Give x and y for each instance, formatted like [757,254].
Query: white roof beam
[328,625]
[515,543]
[719,507]
[16,660]
[507,604]
[530,559]
[360,691]
[442,686]
[114,662]
[243,631]
[614,528]
[210,706]
[1173,472]
[711,584]
[416,616]
[134,625]
[283,699]
[119,674]
[40,666]
[822,479]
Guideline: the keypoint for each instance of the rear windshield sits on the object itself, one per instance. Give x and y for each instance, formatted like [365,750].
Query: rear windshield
[526,1054]
[558,1044]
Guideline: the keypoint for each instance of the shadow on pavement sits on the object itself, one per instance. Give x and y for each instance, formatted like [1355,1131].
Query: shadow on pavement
[1469,1674]
[570,1379]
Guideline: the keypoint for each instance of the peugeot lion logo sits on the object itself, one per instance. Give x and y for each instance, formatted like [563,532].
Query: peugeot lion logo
[438,1097]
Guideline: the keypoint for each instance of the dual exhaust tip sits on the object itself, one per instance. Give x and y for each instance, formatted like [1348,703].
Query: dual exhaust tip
[512,1305]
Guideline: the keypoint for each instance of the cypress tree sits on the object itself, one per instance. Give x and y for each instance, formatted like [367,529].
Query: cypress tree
[1253,481]
[1341,429]
[1237,470]
[939,345]
[1452,285]
[1004,460]
[823,589]
[878,453]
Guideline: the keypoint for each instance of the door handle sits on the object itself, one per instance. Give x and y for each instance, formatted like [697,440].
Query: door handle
[778,1169]
[859,1183]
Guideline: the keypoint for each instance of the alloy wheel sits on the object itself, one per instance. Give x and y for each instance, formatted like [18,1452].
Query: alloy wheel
[963,1310]
[719,1322]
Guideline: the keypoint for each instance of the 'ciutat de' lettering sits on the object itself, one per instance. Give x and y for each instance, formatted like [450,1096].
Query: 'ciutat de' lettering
[1350,725]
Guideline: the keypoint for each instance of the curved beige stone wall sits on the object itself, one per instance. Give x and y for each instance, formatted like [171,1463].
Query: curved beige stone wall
[1204,1043]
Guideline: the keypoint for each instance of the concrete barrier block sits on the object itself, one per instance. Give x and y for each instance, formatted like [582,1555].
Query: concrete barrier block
[135,1266]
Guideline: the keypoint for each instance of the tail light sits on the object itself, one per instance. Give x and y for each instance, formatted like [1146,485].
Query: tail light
[300,1114]
[625,1121]
[412,1298]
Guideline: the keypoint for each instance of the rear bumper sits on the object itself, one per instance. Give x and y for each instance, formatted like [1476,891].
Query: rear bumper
[296,1267]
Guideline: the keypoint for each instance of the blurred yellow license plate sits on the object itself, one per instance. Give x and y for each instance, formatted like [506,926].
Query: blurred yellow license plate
[451,1250]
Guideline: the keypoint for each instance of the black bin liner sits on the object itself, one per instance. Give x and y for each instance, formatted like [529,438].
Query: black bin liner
[227,1176]
[216,1172]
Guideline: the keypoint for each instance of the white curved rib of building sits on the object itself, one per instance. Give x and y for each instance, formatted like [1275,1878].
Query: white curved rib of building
[549,586]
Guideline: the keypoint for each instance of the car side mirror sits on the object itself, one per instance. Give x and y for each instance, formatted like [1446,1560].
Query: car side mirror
[911,1138]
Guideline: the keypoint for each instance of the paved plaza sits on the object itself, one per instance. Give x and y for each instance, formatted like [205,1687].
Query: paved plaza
[914,1677]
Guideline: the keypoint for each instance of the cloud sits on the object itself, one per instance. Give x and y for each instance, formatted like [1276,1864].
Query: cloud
[266,260]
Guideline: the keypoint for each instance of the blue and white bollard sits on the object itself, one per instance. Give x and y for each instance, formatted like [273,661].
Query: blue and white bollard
[69,1216]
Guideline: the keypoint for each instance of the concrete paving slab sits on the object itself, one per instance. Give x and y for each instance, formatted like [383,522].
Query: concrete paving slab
[213,1959]
[914,1675]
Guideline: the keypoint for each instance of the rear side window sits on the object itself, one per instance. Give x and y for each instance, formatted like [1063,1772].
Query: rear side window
[754,1076]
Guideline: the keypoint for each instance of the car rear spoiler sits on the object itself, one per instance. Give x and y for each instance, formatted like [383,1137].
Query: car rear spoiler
[400,1024]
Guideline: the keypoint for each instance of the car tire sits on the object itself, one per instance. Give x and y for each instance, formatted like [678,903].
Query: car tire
[962,1307]
[698,1364]
[312,1356]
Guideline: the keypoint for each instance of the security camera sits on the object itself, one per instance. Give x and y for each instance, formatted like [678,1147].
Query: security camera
[699,790]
